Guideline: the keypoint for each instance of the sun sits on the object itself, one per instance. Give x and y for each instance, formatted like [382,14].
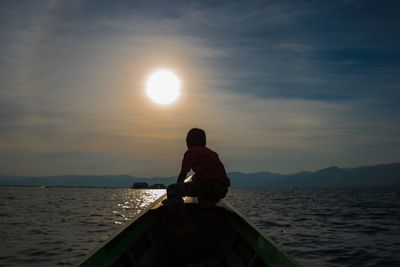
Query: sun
[163,86]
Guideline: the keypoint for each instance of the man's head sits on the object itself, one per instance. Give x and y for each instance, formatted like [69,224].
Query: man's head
[196,137]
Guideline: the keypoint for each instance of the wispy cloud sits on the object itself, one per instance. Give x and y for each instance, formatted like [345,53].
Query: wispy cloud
[278,86]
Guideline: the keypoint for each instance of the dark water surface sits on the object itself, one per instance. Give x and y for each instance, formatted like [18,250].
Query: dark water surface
[58,226]
[328,227]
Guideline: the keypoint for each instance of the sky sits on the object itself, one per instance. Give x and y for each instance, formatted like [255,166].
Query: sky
[279,86]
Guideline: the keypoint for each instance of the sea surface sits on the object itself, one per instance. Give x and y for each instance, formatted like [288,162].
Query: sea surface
[59,226]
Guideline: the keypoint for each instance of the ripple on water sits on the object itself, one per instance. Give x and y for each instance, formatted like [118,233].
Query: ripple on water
[327,227]
[58,226]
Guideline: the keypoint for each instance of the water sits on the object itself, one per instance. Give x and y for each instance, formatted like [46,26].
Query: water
[58,226]
[328,227]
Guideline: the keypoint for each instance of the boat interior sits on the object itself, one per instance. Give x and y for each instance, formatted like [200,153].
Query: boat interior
[199,237]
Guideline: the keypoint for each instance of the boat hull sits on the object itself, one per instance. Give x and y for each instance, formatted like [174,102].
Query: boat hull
[217,236]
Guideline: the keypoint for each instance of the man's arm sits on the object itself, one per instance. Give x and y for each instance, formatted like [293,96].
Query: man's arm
[186,165]
[181,177]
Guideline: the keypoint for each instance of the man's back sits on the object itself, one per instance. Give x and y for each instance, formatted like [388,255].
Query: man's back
[205,163]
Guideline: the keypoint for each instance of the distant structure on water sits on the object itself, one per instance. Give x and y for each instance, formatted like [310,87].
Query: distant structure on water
[143,185]
[158,186]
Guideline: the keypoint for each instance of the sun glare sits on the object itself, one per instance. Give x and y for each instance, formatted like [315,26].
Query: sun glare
[163,86]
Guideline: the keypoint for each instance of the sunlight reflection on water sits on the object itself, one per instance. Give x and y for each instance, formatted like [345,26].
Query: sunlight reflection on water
[132,202]
[59,226]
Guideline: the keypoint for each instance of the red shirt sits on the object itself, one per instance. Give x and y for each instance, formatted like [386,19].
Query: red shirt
[205,163]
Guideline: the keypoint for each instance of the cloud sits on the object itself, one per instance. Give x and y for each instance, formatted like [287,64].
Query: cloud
[278,86]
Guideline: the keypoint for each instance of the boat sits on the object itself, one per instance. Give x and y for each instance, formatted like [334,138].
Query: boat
[216,236]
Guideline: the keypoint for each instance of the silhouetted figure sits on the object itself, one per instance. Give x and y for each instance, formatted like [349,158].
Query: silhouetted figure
[209,182]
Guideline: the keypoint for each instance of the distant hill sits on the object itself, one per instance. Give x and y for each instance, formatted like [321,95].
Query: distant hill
[383,175]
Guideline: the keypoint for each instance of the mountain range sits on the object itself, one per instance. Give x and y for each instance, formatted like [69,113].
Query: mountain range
[382,175]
